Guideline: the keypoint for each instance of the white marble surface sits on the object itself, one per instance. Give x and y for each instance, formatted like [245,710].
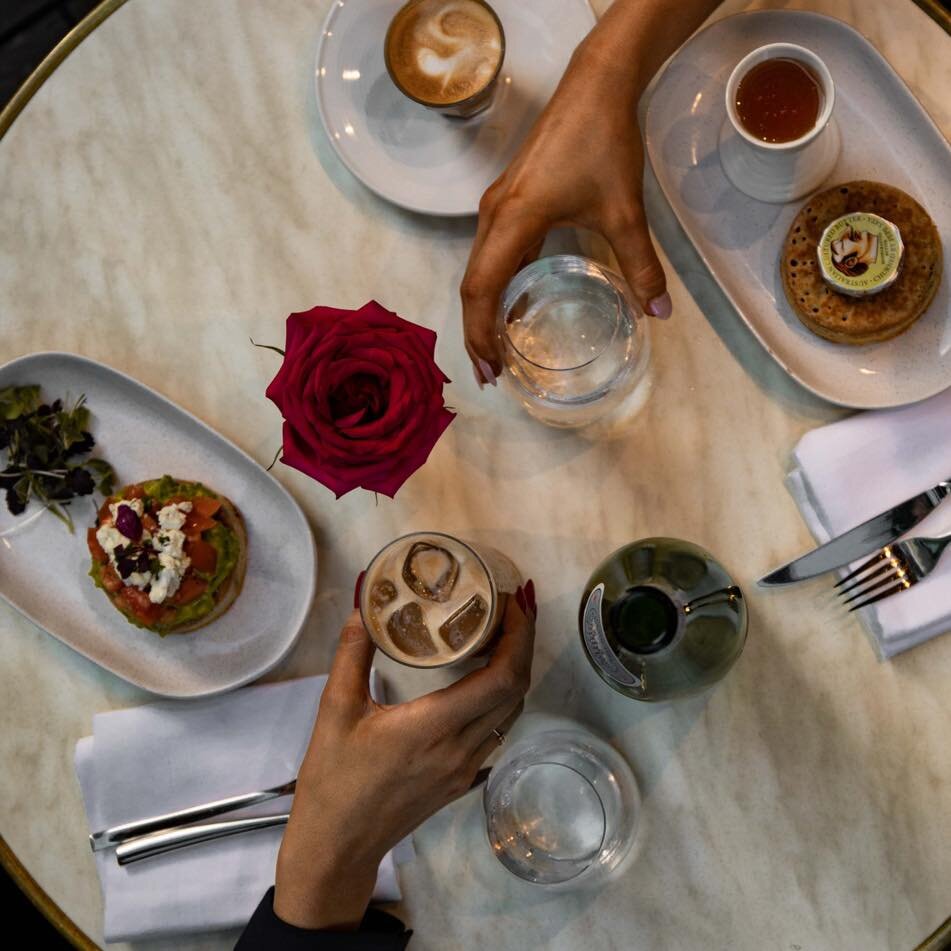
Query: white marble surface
[169,193]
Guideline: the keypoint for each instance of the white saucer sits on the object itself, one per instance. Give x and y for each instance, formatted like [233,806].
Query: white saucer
[411,156]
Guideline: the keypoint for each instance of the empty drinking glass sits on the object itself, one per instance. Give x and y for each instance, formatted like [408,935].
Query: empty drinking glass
[575,349]
[561,808]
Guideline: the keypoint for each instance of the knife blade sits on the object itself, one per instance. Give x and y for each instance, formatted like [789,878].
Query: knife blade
[135,849]
[861,540]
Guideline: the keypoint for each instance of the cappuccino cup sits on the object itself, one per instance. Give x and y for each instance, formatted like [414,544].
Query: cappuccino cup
[446,54]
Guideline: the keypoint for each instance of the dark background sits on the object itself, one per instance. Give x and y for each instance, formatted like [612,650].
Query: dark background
[29,29]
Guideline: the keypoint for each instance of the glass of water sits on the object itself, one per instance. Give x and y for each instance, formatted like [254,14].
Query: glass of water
[561,808]
[575,349]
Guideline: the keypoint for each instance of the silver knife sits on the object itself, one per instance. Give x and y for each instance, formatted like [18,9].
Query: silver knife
[171,839]
[106,838]
[861,540]
[168,840]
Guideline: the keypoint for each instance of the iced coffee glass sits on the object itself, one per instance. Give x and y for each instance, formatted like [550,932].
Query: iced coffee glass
[430,599]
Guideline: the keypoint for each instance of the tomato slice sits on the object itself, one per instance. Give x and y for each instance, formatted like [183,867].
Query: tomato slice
[104,513]
[110,579]
[196,523]
[138,604]
[149,523]
[206,506]
[203,555]
[95,549]
[135,492]
[191,589]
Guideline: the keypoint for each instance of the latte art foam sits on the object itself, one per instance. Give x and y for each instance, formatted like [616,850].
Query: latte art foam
[444,51]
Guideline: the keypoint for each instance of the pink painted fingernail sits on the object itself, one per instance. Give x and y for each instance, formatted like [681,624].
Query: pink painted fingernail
[661,307]
[521,600]
[357,588]
[478,379]
[488,374]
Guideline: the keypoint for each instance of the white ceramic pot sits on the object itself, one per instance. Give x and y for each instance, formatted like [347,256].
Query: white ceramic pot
[779,171]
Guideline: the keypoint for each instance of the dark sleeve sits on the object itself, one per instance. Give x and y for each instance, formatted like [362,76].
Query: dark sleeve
[266,932]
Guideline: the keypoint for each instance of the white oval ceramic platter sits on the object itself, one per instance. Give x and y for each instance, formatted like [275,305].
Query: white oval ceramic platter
[406,153]
[886,136]
[43,569]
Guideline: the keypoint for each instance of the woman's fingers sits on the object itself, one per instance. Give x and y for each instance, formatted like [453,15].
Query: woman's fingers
[491,742]
[509,236]
[630,238]
[496,687]
[348,687]
[498,718]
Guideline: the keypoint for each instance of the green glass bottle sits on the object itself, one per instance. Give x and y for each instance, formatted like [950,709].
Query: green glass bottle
[661,618]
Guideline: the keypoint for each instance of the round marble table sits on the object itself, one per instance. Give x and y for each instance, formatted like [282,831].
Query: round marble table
[168,193]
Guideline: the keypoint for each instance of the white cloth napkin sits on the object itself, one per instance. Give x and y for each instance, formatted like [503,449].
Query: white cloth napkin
[172,754]
[851,470]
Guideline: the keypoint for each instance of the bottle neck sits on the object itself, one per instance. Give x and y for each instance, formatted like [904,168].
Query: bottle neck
[643,620]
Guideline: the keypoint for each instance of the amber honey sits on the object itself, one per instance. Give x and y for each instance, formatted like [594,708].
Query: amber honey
[778,100]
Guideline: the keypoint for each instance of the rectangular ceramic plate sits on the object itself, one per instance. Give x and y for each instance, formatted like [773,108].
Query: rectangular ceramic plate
[43,569]
[886,136]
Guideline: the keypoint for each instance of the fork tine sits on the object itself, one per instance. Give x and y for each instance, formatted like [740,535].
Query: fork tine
[884,569]
[901,585]
[892,571]
[874,560]
[870,589]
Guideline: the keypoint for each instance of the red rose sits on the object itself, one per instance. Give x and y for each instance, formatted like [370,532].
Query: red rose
[361,397]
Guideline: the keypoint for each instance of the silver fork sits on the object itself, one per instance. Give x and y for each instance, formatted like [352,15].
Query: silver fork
[897,567]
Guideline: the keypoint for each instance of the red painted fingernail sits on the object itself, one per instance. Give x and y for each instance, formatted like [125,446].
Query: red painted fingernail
[530,595]
[521,600]
[356,589]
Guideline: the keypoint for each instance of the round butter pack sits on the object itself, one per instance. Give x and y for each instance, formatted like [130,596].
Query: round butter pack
[860,254]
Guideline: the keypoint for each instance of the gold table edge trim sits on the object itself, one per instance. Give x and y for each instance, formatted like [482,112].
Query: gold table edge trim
[8,860]
[59,52]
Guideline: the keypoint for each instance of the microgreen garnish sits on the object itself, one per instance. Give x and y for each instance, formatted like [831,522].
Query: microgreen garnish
[43,444]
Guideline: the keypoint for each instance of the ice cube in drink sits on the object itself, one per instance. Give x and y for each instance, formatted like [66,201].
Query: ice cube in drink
[465,624]
[383,593]
[431,571]
[408,631]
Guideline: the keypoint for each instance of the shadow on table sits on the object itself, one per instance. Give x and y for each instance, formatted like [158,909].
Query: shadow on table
[721,314]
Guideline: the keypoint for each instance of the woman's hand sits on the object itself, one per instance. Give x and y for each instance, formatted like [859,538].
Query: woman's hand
[583,165]
[372,773]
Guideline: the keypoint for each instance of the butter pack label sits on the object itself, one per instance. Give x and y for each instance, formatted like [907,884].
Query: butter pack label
[860,253]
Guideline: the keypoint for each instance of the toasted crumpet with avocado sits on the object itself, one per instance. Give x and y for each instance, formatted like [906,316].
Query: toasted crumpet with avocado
[859,320]
[181,529]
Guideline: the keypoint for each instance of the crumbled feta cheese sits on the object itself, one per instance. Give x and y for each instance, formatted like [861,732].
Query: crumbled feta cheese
[173,516]
[110,538]
[164,585]
[168,543]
